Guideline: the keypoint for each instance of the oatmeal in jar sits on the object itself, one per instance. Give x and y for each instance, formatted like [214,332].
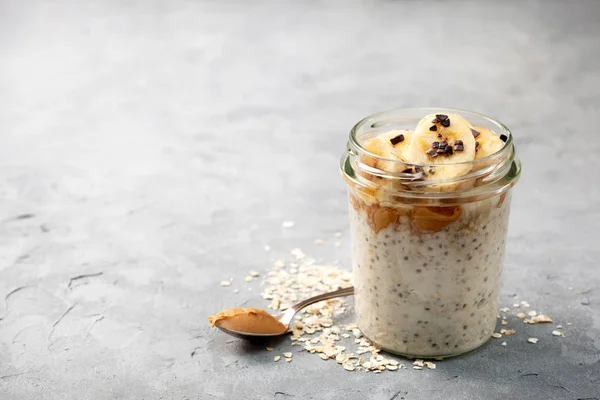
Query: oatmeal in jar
[429,210]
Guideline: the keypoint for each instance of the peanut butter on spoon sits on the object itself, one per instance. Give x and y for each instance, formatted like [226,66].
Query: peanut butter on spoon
[247,320]
[249,323]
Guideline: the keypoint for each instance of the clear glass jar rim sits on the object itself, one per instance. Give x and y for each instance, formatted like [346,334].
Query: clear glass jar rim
[501,129]
[495,173]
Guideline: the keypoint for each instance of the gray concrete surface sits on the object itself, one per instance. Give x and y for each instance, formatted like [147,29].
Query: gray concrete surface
[150,149]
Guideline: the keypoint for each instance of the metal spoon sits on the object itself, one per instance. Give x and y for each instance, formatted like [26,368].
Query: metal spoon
[287,316]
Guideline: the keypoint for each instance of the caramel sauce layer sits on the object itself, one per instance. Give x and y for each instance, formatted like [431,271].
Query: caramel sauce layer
[379,217]
[422,218]
[433,219]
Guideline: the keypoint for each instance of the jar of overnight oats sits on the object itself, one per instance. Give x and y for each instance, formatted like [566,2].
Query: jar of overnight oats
[429,193]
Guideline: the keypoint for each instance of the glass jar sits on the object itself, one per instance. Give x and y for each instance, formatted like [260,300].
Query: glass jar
[427,254]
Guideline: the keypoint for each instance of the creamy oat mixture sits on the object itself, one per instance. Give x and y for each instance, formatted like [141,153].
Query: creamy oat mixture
[429,293]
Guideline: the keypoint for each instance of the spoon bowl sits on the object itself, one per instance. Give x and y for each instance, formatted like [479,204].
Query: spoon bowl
[286,317]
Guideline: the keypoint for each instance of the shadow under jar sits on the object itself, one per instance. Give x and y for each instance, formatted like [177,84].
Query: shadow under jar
[427,254]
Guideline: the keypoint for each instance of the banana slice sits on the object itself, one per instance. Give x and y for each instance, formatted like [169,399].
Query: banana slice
[391,145]
[442,139]
[489,142]
[399,140]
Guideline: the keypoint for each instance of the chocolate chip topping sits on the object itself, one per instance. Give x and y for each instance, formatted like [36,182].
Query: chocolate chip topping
[397,139]
[475,133]
[439,136]
[433,128]
[432,153]
[408,171]
[504,138]
[459,146]
[441,119]
[444,148]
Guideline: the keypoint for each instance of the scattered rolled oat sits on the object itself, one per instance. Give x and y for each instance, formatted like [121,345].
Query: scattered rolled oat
[520,315]
[533,340]
[532,313]
[496,335]
[504,322]
[236,291]
[287,355]
[288,360]
[254,274]
[503,343]
[276,358]
[430,365]
[559,326]
[248,279]
[538,319]
[225,283]
[337,244]
[558,333]
[505,309]
[298,253]
[508,332]
[318,241]
[315,328]
[288,224]
[338,234]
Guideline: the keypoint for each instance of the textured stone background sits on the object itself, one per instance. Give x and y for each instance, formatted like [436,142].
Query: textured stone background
[150,149]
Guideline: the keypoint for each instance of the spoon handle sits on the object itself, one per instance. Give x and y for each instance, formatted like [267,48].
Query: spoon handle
[325,296]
